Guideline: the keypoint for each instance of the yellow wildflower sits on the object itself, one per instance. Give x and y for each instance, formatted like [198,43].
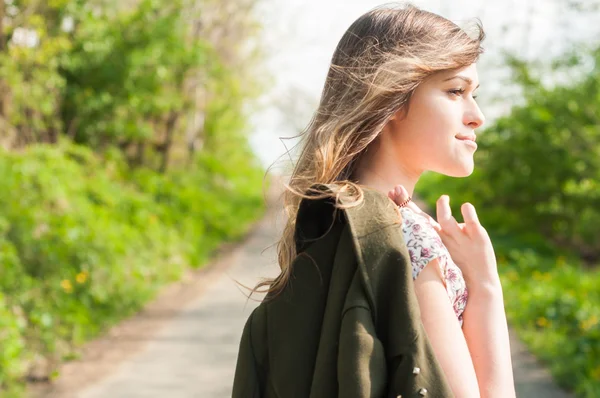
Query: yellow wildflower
[513,275]
[546,276]
[589,323]
[81,277]
[67,286]
[542,322]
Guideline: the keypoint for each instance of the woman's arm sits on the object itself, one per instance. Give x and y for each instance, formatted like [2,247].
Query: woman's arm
[484,318]
[444,332]
[486,333]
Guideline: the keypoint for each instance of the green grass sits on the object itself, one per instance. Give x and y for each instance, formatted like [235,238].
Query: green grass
[85,242]
[552,299]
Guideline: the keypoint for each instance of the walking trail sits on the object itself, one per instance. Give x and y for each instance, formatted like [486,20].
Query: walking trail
[184,345]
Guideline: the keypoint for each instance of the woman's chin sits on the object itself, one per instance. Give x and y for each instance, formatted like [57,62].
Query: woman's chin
[462,170]
[462,167]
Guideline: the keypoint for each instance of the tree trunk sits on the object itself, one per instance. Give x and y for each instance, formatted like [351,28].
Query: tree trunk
[166,147]
[139,156]
[2,37]
[3,91]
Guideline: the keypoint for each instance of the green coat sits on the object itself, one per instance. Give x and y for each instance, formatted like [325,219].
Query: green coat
[348,324]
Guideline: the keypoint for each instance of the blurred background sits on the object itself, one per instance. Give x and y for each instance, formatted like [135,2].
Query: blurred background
[136,136]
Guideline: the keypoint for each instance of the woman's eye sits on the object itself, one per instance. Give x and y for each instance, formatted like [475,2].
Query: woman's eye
[458,92]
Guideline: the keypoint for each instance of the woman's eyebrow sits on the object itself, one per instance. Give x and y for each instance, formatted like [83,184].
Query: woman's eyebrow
[465,78]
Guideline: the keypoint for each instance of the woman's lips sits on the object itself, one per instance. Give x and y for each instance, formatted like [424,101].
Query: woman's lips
[468,141]
[470,137]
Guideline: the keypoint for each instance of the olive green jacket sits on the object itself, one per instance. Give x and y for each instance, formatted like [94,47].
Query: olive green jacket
[348,323]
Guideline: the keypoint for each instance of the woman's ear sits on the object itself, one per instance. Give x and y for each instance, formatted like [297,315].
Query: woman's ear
[398,115]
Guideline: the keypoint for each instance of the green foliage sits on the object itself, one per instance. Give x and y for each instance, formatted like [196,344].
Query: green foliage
[90,231]
[137,75]
[551,298]
[125,73]
[29,71]
[85,242]
[554,304]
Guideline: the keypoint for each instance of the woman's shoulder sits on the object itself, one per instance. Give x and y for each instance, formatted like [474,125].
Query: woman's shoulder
[422,240]
[418,225]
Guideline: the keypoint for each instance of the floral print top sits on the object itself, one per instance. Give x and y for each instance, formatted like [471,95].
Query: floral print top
[424,245]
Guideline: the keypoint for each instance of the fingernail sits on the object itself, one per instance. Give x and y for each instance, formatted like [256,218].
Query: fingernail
[398,190]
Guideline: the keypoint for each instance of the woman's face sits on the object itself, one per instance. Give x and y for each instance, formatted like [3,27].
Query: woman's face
[438,132]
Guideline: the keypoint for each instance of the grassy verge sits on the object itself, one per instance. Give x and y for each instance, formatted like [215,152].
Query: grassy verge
[552,300]
[85,242]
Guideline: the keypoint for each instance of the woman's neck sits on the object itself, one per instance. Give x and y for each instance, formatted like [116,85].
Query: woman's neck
[383,173]
[386,183]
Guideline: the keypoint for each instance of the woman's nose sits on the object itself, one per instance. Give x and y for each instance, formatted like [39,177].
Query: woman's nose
[474,118]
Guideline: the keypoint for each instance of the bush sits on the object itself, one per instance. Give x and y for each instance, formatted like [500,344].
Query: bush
[84,242]
[154,78]
[551,297]
[554,304]
[86,238]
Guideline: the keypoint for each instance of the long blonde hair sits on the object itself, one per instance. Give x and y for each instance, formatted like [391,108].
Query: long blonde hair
[379,62]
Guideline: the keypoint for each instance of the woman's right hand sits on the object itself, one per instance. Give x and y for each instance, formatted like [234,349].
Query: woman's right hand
[469,244]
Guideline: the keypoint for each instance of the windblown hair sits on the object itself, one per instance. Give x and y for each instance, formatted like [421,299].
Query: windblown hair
[379,62]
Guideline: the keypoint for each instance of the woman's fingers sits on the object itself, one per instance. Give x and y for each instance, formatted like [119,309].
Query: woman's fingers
[446,224]
[473,226]
[469,214]
[444,216]
[399,195]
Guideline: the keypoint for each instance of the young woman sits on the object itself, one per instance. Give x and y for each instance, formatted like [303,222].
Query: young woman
[399,99]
